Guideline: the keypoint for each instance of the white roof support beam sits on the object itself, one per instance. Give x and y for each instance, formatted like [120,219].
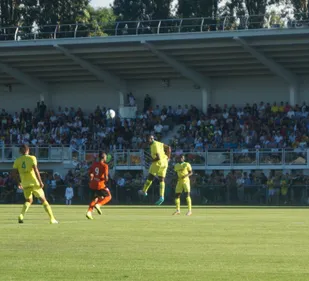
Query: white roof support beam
[26,79]
[196,77]
[116,82]
[276,68]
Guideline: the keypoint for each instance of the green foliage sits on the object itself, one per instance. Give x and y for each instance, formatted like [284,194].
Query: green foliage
[301,9]
[9,12]
[102,21]
[35,14]
[197,8]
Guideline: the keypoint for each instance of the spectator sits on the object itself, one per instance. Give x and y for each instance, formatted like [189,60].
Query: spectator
[131,99]
[147,103]
[69,194]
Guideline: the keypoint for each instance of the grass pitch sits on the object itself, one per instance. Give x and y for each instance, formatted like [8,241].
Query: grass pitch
[148,244]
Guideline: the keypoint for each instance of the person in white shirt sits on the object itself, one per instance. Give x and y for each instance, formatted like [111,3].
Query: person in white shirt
[225,114]
[213,121]
[158,128]
[291,113]
[69,194]
[121,182]
[278,138]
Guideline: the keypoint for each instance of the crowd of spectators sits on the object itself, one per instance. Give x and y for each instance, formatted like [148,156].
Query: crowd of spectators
[216,187]
[255,126]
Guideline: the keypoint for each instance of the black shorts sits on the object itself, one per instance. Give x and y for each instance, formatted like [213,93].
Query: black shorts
[99,193]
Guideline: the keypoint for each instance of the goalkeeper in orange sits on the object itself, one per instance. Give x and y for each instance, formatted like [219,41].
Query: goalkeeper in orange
[160,154]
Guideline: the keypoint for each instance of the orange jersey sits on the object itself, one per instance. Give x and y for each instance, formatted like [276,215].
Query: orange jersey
[100,172]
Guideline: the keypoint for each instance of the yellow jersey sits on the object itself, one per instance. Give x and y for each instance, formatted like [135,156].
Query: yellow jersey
[24,164]
[158,148]
[182,169]
[284,187]
[270,184]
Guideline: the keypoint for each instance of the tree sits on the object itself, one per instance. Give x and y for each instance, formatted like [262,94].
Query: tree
[196,9]
[9,17]
[54,12]
[102,21]
[9,12]
[136,15]
[248,13]
[301,9]
[162,9]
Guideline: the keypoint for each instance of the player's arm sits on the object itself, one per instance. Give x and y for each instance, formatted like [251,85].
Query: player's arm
[167,150]
[106,173]
[190,172]
[37,174]
[91,173]
[15,175]
[157,158]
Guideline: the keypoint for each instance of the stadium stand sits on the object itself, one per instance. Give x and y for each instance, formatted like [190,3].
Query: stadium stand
[231,147]
[223,127]
[244,130]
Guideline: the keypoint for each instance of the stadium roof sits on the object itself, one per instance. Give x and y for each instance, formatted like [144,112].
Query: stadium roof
[212,54]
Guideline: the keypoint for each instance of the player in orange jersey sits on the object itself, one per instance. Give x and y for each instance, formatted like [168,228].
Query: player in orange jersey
[98,174]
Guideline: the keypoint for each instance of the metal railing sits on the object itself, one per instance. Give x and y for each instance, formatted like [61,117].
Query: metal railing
[225,159]
[175,25]
[43,153]
[212,159]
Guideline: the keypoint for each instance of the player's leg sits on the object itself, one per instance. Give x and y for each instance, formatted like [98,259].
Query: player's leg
[149,181]
[92,204]
[187,189]
[105,197]
[162,190]
[177,202]
[28,201]
[161,175]
[38,192]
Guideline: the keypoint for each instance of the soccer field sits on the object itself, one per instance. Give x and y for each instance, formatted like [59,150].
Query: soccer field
[148,244]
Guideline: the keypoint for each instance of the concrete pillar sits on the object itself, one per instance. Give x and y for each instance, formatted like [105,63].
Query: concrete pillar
[293,94]
[121,96]
[47,98]
[205,99]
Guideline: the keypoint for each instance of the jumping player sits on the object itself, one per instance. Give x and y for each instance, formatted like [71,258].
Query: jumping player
[25,167]
[98,174]
[160,154]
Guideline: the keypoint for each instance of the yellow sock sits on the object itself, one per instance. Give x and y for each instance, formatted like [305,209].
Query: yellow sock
[25,208]
[162,189]
[189,203]
[48,210]
[177,203]
[147,185]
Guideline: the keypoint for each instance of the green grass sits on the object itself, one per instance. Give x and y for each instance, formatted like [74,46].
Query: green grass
[148,244]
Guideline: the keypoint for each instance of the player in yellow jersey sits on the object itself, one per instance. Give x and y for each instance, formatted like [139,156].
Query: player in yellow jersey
[30,181]
[184,172]
[160,154]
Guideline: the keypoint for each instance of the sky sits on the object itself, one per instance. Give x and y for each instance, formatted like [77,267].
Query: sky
[101,3]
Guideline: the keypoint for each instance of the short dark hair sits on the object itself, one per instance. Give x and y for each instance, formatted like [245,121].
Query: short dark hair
[23,149]
[101,155]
